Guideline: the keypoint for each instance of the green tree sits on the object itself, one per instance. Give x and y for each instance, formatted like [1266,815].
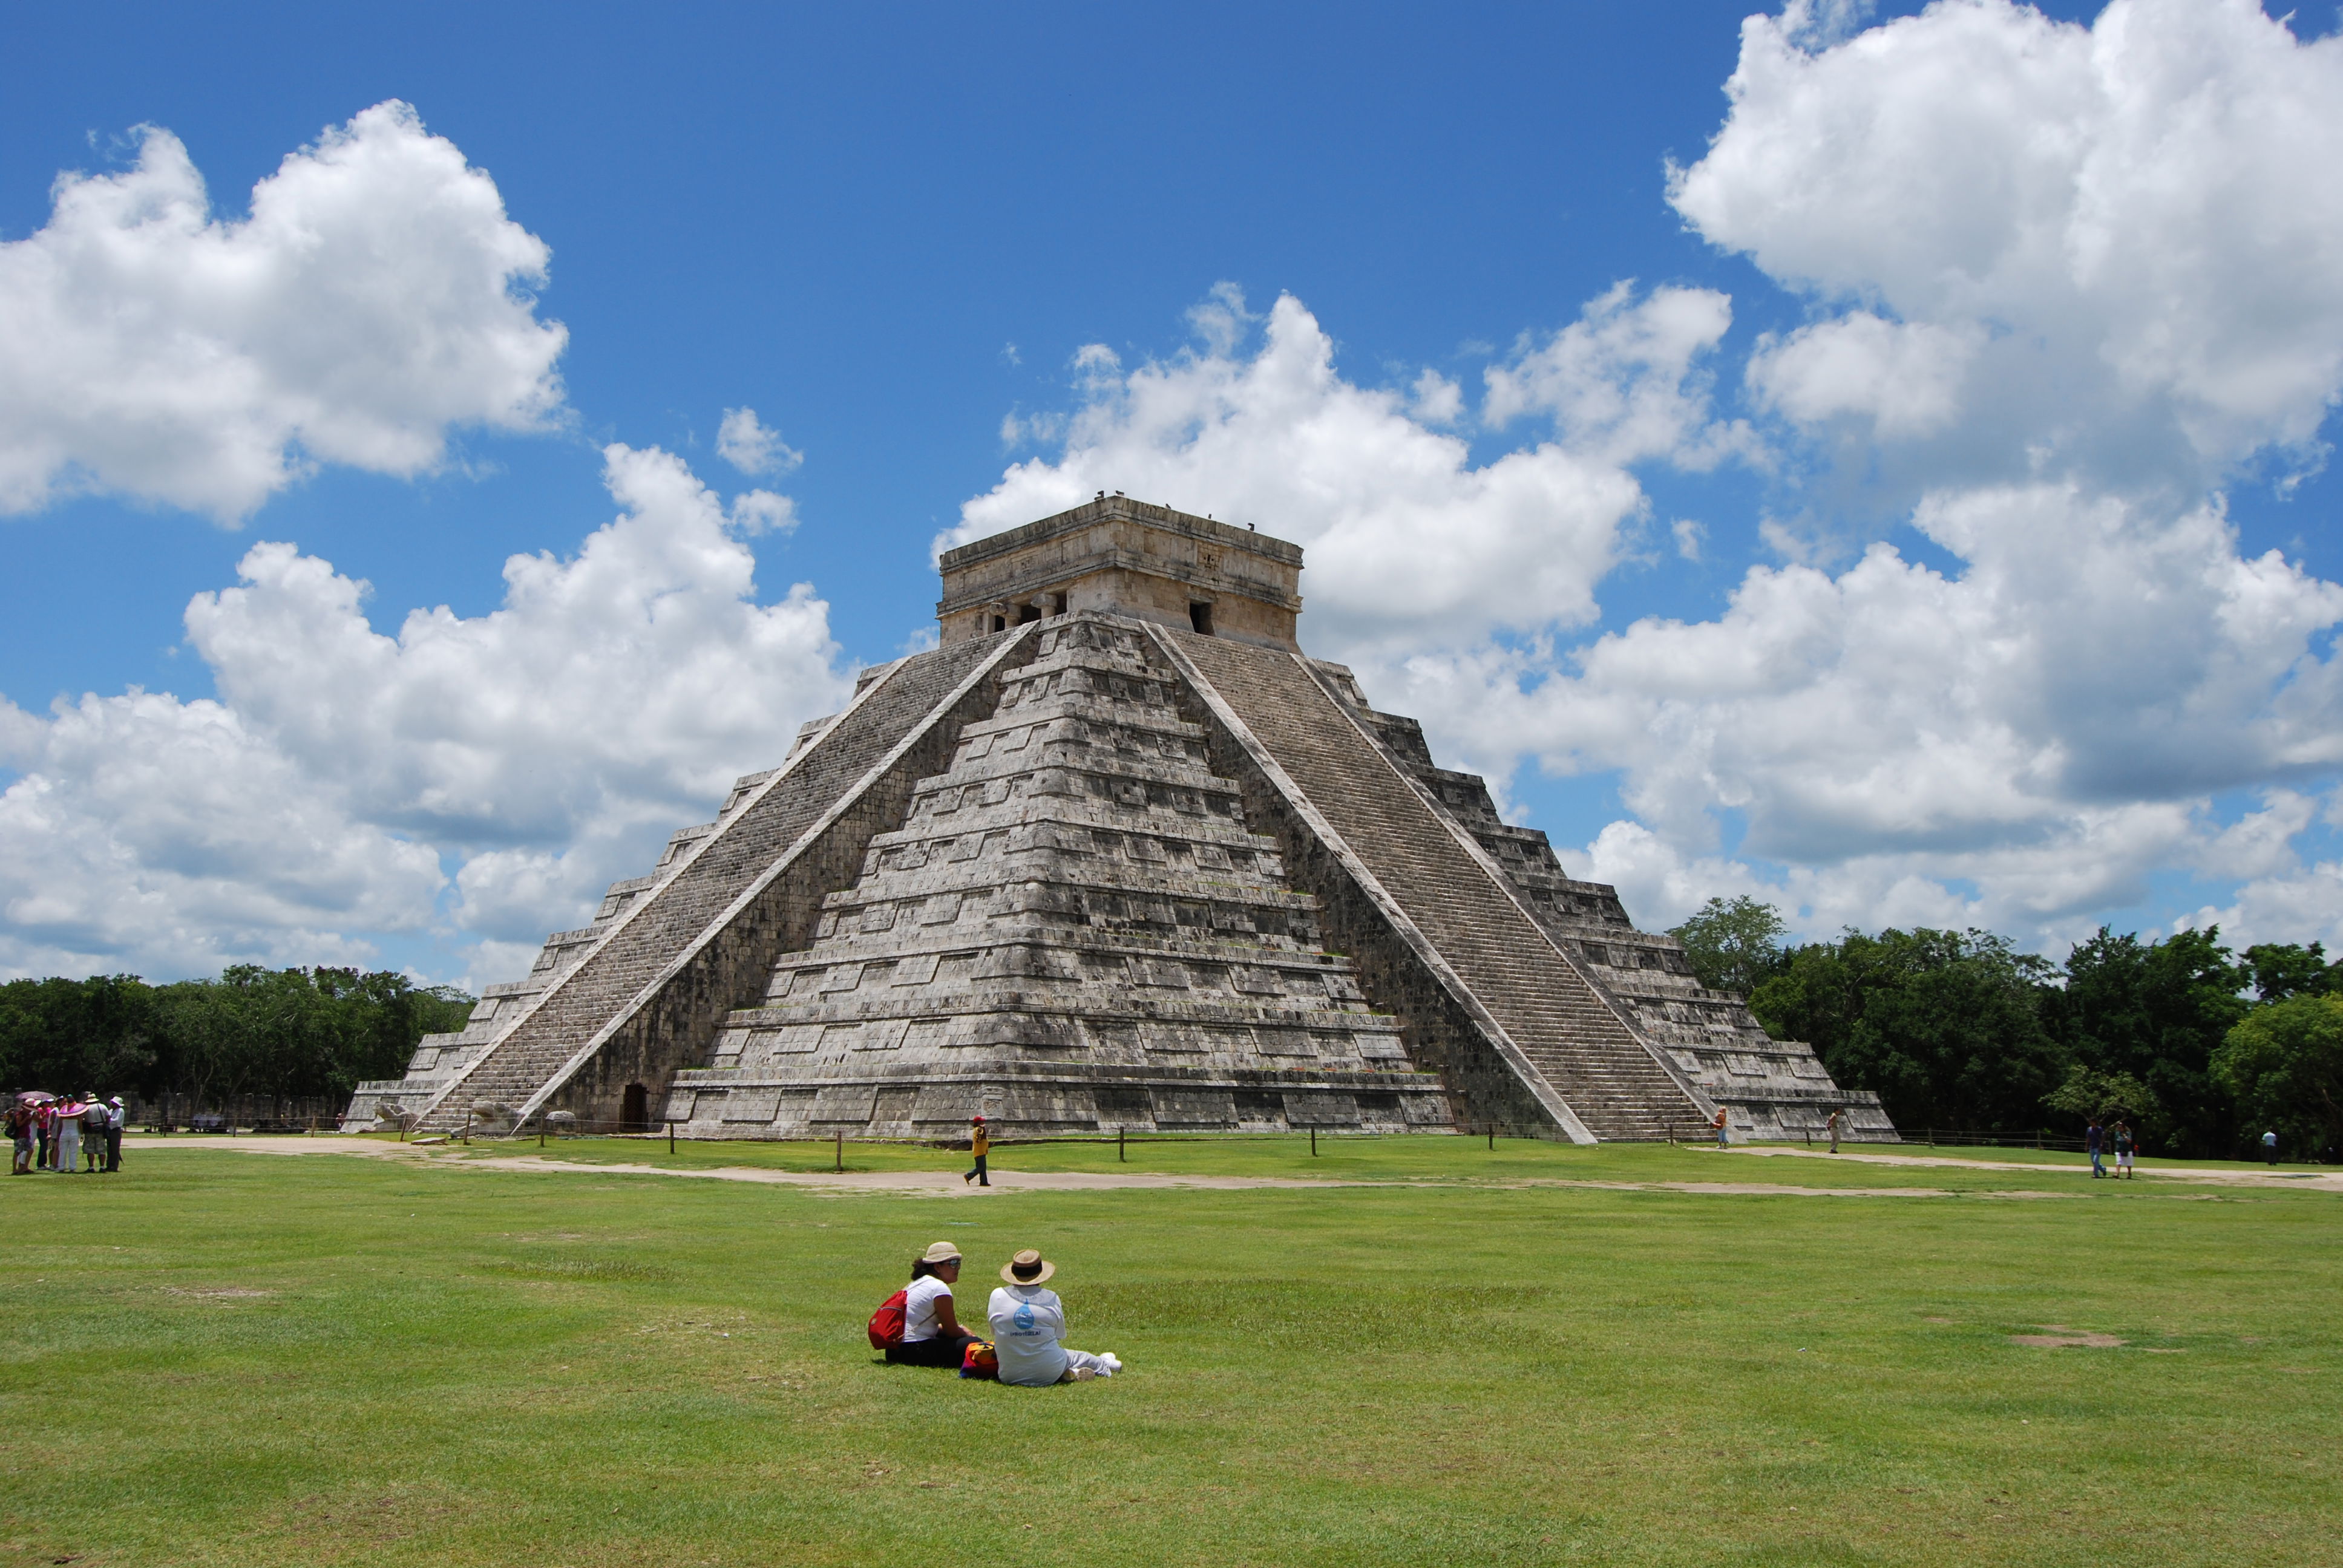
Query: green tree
[76,1034]
[2158,1010]
[2283,1065]
[1733,944]
[2090,1094]
[2282,969]
[1946,1026]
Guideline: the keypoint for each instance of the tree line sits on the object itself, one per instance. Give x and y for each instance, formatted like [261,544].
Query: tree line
[279,1034]
[2201,1049]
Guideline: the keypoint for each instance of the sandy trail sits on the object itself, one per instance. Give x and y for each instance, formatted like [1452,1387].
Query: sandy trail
[945,1182]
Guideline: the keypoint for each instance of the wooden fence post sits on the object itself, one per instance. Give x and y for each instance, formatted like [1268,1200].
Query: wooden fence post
[1121,1135]
[1314,1142]
[841,1135]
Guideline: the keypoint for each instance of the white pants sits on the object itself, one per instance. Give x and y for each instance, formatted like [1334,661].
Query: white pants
[68,1145]
[1078,1360]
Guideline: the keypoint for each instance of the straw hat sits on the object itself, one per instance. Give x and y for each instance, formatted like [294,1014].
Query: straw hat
[1028,1268]
[940,1252]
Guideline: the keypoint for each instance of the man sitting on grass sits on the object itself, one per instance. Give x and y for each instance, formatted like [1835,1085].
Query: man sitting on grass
[1028,1321]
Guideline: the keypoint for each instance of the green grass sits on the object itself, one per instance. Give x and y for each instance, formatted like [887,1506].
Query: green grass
[223,1358]
[1418,1159]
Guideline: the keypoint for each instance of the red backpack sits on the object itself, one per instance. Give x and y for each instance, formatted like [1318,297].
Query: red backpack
[887,1322]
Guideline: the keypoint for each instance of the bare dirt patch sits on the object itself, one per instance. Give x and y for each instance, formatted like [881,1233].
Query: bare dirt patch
[2056,1336]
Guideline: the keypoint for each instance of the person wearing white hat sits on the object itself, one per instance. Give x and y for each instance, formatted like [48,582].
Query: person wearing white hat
[1028,1321]
[114,1120]
[933,1336]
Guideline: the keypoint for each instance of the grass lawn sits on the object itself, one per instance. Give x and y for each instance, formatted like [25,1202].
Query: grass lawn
[223,1358]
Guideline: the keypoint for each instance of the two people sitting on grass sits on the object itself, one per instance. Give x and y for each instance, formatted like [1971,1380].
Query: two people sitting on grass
[919,1325]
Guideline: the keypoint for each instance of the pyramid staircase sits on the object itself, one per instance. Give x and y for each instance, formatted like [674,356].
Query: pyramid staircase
[683,952]
[1074,928]
[1532,1004]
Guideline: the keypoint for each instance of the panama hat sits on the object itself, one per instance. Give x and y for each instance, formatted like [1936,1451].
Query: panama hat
[1028,1268]
[940,1252]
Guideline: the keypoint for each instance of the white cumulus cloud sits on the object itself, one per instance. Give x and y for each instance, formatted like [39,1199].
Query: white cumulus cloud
[376,297]
[482,778]
[2112,251]
[1411,543]
[2047,726]
[745,443]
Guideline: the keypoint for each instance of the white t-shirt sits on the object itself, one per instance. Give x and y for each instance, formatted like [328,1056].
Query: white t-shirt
[1028,1321]
[919,1308]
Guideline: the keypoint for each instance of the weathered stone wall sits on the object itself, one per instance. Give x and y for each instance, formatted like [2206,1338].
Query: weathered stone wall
[1119,557]
[1438,1033]
[678,1030]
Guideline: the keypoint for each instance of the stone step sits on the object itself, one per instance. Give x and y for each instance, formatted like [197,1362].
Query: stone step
[1569,1034]
[636,946]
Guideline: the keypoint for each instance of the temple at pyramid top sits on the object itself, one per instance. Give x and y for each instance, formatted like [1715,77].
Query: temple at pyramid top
[1126,558]
[1116,854]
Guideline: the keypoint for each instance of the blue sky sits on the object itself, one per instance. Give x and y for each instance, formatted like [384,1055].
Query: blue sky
[927,247]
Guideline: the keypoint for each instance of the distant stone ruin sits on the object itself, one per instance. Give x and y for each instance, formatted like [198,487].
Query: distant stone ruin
[1115,855]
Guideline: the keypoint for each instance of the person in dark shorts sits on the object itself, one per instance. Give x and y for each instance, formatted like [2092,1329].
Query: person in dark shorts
[980,1141]
[933,1336]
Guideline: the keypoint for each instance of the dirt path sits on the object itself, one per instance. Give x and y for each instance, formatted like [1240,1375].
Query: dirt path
[854,1180]
[2316,1182]
[947,1183]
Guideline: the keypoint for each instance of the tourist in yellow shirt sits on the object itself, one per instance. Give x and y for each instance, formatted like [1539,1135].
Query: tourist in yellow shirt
[980,1142]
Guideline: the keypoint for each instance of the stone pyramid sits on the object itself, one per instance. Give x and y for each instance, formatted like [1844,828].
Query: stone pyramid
[1074,928]
[1116,855]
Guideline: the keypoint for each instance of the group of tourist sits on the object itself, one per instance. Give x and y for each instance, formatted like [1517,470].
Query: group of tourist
[65,1134]
[1026,1320]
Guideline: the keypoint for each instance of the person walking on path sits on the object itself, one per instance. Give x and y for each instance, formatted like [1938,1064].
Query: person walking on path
[933,1336]
[114,1120]
[979,1143]
[1028,1321]
[1837,1118]
[2121,1136]
[2269,1148]
[2094,1141]
[1722,1132]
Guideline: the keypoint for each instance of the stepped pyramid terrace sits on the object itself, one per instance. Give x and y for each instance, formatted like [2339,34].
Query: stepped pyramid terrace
[1116,854]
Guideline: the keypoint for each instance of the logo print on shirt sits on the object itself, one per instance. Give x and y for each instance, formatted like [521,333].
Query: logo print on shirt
[1022,1320]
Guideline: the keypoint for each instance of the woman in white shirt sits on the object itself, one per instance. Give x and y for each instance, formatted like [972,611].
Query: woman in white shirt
[1028,1321]
[933,1336]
